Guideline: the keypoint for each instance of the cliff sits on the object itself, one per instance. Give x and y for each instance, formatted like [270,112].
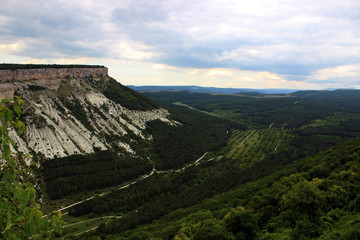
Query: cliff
[7,76]
[18,79]
[67,111]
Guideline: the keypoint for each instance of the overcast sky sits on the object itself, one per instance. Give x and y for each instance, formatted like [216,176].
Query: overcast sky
[298,44]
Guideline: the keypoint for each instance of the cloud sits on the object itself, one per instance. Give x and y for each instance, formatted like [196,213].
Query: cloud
[219,72]
[163,66]
[11,47]
[293,39]
[132,51]
[219,77]
[340,76]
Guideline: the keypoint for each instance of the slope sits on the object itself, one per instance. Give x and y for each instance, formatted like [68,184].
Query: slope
[269,182]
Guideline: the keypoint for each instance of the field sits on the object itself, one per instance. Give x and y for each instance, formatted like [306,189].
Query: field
[253,145]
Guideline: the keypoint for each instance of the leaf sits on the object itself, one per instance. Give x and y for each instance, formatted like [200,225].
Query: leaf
[9,224]
[4,141]
[4,101]
[17,109]
[8,115]
[3,130]
[19,100]
[20,127]
[7,150]
[19,218]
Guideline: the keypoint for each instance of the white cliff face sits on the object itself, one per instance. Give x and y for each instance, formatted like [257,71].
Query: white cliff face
[54,130]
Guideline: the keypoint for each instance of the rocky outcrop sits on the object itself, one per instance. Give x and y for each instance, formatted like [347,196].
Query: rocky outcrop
[66,113]
[50,73]
[52,78]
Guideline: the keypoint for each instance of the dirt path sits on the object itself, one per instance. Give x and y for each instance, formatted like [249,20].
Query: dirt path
[123,187]
[90,220]
[133,182]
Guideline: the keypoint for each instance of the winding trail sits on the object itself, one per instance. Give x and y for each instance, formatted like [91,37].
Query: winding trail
[120,188]
[133,182]
[90,220]
[88,230]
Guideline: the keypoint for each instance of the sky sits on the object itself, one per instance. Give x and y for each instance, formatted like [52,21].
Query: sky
[291,44]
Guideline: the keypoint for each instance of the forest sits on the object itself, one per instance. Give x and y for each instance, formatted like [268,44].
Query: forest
[78,173]
[295,110]
[273,167]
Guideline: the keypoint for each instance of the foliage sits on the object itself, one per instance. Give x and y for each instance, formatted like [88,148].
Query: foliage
[127,97]
[280,205]
[296,110]
[79,173]
[20,215]
[241,223]
[198,133]
[305,189]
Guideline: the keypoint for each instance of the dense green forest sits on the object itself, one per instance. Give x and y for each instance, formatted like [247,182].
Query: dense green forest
[78,173]
[174,146]
[275,167]
[293,110]
[315,198]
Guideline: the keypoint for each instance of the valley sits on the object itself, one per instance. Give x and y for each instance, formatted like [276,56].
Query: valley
[182,165]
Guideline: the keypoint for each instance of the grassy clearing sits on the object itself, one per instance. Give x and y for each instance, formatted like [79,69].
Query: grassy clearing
[332,121]
[252,145]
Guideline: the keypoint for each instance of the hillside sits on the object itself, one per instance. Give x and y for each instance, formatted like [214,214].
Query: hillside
[269,182]
[86,131]
[311,198]
[74,111]
[184,165]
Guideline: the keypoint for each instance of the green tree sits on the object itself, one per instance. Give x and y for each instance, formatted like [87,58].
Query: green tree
[301,206]
[241,223]
[20,215]
[211,229]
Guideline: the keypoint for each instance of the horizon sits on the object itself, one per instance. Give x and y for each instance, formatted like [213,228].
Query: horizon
[220,89]
[232,44]
[325,89]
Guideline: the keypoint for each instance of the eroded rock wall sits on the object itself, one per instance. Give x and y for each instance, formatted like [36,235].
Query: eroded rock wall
[50,73]
[52,78]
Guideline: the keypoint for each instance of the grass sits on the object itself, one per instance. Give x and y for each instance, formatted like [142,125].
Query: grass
[332,121]
[250,146]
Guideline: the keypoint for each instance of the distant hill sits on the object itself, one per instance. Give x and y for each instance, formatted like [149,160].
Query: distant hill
[334,94]
[212,89]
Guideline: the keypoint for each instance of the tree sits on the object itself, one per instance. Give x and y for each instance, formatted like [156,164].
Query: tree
[301,206]
[20,215]
[241,223]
